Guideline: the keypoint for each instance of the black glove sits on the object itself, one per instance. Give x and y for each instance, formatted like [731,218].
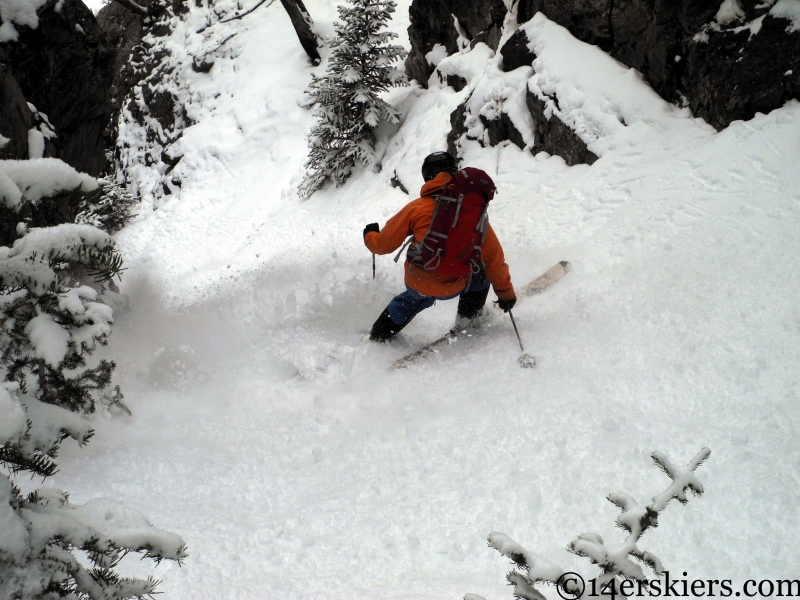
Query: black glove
[506,305]
[371,227]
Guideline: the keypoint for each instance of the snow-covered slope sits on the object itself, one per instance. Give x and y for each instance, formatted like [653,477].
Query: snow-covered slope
[296,464]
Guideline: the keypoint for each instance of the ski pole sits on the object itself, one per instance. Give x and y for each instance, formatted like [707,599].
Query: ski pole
[525,360]
[510,314]
[373,266]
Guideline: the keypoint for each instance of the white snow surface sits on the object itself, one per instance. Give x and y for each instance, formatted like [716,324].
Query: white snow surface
[276,441]
[37,178]
[729,11]
[49,340]
[14,422]
[436,55]
[788,9]
[35,143]
[19,12]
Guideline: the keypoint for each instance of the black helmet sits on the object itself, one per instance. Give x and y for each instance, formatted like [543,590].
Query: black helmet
[436,163]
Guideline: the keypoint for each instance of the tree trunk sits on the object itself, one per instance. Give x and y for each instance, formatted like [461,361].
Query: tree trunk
[301,21]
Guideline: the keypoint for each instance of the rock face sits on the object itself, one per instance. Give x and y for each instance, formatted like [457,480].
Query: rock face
[721,73]
[734,75]
[64,68]
[439,21]
[458,127]
[587,20]
[15,117]
[515,52]
[124,31]
[495,131]
[556,137]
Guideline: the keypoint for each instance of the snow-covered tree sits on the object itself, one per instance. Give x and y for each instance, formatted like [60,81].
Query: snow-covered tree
[347,97]
[51,319]
[615,562]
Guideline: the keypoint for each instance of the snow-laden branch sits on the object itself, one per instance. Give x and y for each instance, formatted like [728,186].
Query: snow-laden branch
[615,562]
[536,567]
[682,479]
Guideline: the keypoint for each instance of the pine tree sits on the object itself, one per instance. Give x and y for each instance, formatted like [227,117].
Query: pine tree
[52,317]
[347,97]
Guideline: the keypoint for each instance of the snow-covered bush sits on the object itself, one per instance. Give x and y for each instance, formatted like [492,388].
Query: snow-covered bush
[48,327]
[41,532]
[615,562]
[109,209]
[51,319]
[46,191]
[347,97]
[28,181]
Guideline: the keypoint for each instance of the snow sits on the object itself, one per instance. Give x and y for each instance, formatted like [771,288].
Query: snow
[729,11]
[26,263]
[49,340]
[608,105]
[278,443]
[35,143]
[48,422]
[19,12]
[788,9]
[436,55]
[9,192]
[14,423]
[538,569]
[126,526]
[14,540]
[37,178]
[72,299]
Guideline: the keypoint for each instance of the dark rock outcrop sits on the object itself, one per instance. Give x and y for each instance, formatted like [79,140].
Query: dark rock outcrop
[496,131]
[124,30]
[458,127]
[587,20]
[433,22]
[151,67]
[515,52]
[64,67]
[502,129]
[722,74]
[15,117]
[735,75]
[456,82]
[556,137]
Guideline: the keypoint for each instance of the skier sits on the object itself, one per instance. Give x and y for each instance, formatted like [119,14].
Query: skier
[423,286]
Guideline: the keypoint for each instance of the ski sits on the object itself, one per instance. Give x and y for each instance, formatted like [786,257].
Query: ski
[547,279]
[425,351]
[543,282]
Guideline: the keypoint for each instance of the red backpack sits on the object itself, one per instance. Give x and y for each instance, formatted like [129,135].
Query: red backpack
[452,246]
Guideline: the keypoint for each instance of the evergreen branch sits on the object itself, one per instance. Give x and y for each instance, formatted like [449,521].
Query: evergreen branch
[614,562]
[15,461]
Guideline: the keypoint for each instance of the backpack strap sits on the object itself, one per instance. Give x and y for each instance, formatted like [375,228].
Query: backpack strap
[458,210]
[403,247]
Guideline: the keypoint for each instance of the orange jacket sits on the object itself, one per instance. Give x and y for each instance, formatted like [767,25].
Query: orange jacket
[415,219]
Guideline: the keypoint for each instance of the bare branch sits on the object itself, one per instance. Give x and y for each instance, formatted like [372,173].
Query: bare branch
[131,5]
[247,12]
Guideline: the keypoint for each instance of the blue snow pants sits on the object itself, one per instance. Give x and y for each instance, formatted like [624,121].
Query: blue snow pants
[410,303]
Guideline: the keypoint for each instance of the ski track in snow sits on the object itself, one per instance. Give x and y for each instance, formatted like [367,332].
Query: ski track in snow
[276,440]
